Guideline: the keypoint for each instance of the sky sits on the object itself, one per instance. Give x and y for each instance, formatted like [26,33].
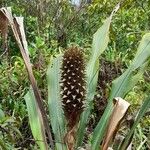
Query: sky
[76,2]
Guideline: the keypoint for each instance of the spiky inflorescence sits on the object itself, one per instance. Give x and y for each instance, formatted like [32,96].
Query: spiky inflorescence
[73,84]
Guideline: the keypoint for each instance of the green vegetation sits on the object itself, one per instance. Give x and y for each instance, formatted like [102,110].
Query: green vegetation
[115,40]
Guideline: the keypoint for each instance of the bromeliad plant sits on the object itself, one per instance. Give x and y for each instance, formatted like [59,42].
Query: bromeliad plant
[70,130]
[71,83]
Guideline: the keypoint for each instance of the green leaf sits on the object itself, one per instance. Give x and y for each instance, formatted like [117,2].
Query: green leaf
[2,115]
[140,114]
[36,121]
[121,86]
[54,103]
[3,145]
[100,42]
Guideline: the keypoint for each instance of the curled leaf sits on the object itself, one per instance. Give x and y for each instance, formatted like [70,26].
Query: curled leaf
[119,111]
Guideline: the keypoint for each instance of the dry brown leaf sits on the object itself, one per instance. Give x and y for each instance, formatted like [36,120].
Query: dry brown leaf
[70,138]
[4,30]
[120,109]
[19,23]
[18,30]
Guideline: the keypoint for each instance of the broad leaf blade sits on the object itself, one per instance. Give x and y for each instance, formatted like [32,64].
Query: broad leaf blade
[99,44]
[54,102]
[36,121]
[121,86]
[143,51]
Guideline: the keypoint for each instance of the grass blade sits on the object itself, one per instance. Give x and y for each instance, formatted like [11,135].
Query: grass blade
[54,102]
[121,86]
[36,121]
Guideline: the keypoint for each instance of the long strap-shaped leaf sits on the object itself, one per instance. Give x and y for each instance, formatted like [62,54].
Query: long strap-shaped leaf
[18,30]
[54,102]
[35,119]
[100,42]
[121,86]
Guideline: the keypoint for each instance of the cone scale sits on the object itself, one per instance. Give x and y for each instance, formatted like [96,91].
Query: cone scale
[73,85]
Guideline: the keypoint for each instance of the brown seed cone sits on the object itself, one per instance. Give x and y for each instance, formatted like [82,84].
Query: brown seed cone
[73,85]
